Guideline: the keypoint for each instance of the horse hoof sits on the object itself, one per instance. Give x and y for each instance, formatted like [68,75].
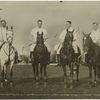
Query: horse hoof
[45,84]
[45,78]
[37,78]
[11,84]
[1,84]
[37,83]
[95,82]
[71,87]
[90,82]
[65,86]
[6,81]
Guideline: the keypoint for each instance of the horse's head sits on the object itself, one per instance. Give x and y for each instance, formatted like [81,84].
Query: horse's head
[67,44]
[40,39]
[87,42]
[9,35]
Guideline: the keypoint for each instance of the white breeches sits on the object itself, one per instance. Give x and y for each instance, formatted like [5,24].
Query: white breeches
[33,46]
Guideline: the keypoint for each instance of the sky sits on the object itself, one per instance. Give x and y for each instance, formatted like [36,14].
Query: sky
[23,15]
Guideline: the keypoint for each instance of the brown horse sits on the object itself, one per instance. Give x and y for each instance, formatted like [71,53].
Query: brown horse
[68,57]
[40,58]
[92,57]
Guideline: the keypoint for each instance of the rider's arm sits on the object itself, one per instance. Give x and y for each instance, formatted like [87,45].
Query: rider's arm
[62,36]
[75,34]
[45,34]
[32,36]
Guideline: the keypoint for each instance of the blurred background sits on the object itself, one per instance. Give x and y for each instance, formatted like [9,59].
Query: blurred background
[24,14]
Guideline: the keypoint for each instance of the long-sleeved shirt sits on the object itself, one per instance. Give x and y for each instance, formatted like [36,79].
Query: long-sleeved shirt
[33,37]
[95,35]
[34,31]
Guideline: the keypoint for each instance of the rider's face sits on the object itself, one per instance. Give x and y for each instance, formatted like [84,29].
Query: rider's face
[3,24]
[95,26]
[39,24]
[68,25]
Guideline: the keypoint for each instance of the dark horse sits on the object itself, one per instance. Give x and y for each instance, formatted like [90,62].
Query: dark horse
[68,57]
[40,58]
[92,57]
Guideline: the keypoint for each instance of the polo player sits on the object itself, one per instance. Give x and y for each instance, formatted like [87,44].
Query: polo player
[95,35]
[33,36]
[73,34]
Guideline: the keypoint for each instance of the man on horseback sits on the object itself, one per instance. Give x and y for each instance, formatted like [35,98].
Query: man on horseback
[33,36]
[94,34]
[73,34]
[7,55]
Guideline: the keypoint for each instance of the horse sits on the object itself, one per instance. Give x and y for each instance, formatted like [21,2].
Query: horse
[40,58]
[7,59]
[68,57]
[92,57]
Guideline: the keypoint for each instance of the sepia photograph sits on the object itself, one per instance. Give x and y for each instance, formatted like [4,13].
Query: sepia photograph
[50,49]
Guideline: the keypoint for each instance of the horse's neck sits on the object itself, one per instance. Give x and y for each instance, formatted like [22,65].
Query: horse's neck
[66,49]
[9,46]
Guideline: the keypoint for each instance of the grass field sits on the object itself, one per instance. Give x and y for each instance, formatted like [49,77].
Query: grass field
[25,86]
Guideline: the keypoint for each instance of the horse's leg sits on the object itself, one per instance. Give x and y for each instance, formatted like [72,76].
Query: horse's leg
[45,74]
[71,77]
[90,71]
[2,75]
[34,72]
[37,72]
[5,73]
[77,72]
[11,73]
[33,64]
[65,75]
[41,70]
[95,74]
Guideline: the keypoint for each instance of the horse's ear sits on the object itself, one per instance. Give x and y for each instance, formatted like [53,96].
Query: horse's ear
[42,33]
[11,27]
[89,33]
[84,34]
[37,33]
[7,27]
